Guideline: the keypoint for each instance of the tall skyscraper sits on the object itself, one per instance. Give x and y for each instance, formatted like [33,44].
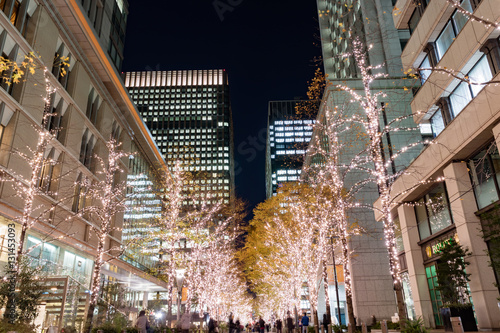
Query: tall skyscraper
[189,115]
[287,139]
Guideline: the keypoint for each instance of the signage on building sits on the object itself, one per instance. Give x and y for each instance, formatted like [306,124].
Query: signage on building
[433,248]
[331,276]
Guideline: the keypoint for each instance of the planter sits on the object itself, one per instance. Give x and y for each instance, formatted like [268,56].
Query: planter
[466,314]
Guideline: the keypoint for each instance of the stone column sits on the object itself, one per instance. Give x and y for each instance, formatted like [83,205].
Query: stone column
[496,134]
[145,300]
[415,261]
[463,206]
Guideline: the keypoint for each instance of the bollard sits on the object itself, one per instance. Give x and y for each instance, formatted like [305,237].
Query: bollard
[364,329]
[349,328]
[383,326]
[329,328]
[456,324]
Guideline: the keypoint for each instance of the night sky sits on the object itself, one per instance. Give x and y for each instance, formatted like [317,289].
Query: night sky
[267,48]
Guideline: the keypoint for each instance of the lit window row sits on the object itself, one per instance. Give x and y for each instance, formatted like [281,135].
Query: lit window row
[157,90]
[289,172]
[206,168]
[292,128]
[290,152]
[176,96]
[287,178]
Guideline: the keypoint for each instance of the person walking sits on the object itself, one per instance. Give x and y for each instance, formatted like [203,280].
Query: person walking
[289,323]
[305,323]
[211,325]
[326,322]
[279,325]
[142,324]
[262,325]
[230,324]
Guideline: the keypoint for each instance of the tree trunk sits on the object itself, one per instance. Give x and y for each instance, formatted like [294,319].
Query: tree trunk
[169,315]
[95,287]
[316,321]
[327,297]
[347,282]
[398,288]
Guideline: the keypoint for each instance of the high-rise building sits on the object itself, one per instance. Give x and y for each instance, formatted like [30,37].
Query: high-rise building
[371,22]
[189,114]
[90,105]
[287,140]
[464,118]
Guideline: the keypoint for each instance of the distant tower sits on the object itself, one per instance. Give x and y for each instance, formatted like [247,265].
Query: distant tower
[189,115]
[287,140]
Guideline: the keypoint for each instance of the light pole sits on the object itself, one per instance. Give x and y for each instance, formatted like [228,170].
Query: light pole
[180,279]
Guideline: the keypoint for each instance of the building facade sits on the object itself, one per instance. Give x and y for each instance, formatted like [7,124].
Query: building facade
[90,105]
[287,140]
[460,168]
[189,115]
[370,22]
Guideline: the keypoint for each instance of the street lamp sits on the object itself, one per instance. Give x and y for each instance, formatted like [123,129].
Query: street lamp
[180,279]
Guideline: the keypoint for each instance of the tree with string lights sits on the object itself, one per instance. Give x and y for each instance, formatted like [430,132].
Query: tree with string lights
[29,187]
[108,199]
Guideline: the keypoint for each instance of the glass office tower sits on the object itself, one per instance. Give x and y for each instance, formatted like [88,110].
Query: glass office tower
[189,115]
[287,140]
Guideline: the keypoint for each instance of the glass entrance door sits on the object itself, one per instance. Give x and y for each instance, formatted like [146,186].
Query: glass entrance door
[437,303]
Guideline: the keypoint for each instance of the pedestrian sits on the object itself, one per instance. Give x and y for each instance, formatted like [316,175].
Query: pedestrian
[279,324]
[237,325]
[230,324]
[326,322]
[262,325]
[211,325]
[305,323]
[267,328]
[289,323]
[142,323]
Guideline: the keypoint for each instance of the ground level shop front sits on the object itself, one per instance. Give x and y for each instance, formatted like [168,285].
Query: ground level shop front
[445,210]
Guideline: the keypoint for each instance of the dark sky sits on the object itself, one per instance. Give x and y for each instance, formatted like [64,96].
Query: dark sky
[266,46]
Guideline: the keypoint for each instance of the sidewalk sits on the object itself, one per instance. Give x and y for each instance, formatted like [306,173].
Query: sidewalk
[442,331]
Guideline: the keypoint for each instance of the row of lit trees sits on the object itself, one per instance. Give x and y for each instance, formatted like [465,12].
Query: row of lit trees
[208,265]
[294,226]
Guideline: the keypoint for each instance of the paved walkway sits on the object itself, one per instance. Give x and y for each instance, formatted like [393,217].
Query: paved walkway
[442,331]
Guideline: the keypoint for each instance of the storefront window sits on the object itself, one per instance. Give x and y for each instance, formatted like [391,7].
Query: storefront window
[433,212]
[44,254]
[77,267]
[484,170]
[410,307]
[437,303]
[399,237]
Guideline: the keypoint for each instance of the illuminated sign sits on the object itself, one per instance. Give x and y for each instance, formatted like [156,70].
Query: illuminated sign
[435,249]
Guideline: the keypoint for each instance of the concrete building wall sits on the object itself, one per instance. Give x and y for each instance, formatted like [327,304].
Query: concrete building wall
[51,24]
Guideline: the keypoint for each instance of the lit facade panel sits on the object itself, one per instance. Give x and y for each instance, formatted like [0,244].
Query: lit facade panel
[287,140]
[189,115]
